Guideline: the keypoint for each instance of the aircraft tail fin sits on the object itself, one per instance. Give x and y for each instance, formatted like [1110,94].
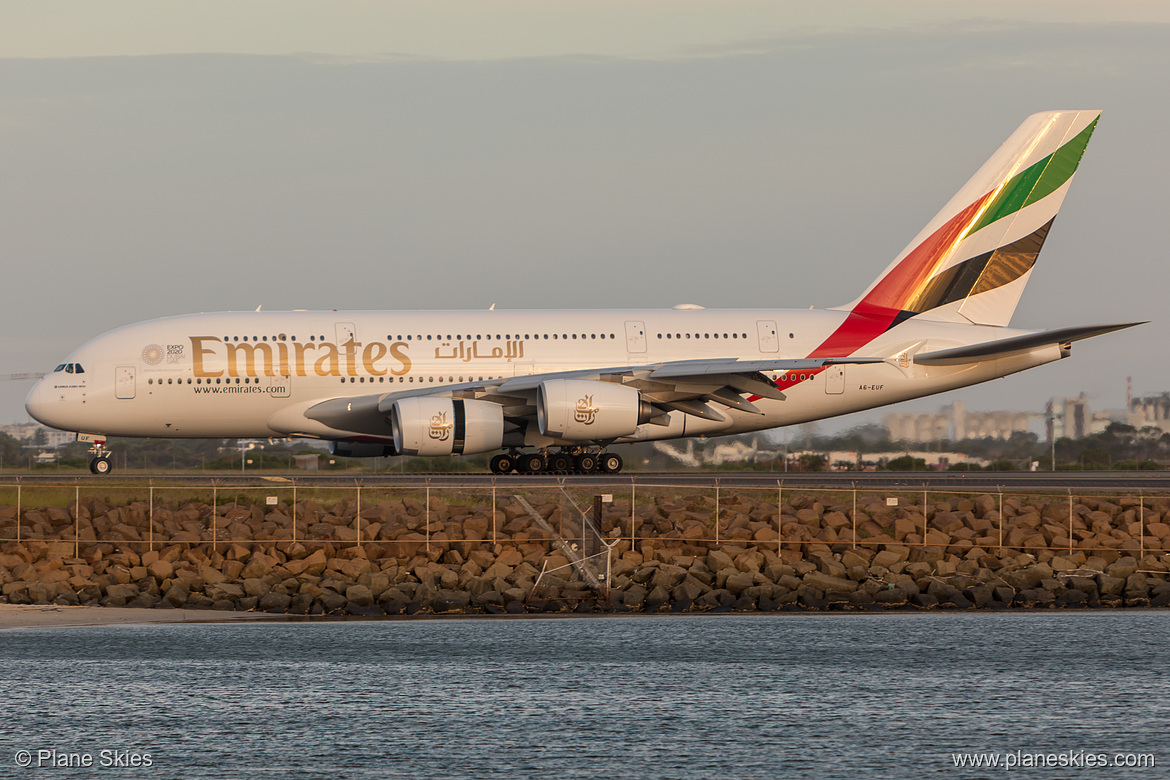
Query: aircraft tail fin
[971,262]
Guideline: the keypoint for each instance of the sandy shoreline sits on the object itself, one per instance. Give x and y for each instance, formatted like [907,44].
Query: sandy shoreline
[48,616]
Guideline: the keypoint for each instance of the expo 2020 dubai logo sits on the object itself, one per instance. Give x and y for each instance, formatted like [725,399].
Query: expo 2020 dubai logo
[152,354]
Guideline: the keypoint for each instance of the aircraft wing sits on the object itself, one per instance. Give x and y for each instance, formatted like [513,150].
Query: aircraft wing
[990,350]
[686,385]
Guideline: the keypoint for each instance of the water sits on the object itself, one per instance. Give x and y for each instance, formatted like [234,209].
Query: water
[776,696]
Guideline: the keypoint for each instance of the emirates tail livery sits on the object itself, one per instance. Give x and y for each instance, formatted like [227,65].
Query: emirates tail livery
[553,390]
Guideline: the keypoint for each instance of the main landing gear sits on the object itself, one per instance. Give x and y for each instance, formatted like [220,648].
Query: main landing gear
[583,462]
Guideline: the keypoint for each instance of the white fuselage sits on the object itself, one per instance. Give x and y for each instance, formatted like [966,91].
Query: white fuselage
[253,374]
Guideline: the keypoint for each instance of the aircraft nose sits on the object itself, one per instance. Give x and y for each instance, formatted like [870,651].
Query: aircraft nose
[43,405]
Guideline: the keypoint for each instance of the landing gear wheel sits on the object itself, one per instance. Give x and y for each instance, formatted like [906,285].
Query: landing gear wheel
[586,463]
[532,463]
[502,464]
[610,463]
[559,463]
[100,465]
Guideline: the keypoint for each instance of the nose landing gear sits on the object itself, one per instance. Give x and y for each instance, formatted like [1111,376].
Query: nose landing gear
[100,462]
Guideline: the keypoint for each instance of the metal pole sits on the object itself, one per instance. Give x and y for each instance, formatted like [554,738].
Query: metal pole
[716,510]
[77,521]
[779,516]
[924,519]
[1142,522]
[214,515]
[150,533]
[294,510]
[633,512]
[19,487]
[1001,517]
[1070,518]
[608,570]
[427,519]
[359,515]
[855,515]
[493,510]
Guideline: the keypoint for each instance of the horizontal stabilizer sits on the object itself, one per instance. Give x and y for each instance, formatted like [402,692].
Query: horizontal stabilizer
[989,350]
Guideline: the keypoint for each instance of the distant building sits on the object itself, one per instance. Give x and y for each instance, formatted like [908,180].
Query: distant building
[954,422]
[733,450]
[869,461]
[1071,418]
[27,433]
[1150,411]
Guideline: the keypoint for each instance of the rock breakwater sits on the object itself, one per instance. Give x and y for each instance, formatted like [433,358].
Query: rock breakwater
[666,554]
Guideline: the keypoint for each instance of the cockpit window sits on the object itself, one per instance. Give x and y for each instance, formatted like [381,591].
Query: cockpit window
[69,369]
[78,369]
[59,368]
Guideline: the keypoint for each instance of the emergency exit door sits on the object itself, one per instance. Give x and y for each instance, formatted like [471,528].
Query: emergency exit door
[835,380]
[124,382]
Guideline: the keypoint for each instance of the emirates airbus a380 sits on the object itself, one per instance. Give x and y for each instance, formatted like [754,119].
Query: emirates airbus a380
[553,390]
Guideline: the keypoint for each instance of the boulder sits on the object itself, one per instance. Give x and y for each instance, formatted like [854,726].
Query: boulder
[450,601]
[274,602]
[827,582]
[360,595]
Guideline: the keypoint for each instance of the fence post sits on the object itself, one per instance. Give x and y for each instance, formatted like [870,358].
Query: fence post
[358,542]
[717,510]
[1142,522]
[77,520]
[1000,517]
[493,510]
[925,519]
[779,516]
[19,486]
[427,517]
[1070,518]
[150,521]
[855,516]
[633,513]
[294,509]
[214,516]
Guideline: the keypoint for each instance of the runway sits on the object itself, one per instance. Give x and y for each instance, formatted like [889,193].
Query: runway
[1134,481]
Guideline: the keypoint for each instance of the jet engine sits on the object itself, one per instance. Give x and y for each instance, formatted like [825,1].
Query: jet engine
[582,410]
[429,425]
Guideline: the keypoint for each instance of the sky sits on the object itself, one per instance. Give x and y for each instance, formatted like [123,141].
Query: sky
[163,158]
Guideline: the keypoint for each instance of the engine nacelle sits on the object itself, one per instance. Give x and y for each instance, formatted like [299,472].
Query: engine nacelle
[356,449]
[582,410]
[429,426]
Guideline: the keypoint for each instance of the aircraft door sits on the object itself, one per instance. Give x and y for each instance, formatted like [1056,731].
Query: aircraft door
[345,333]
[277,386]
[769,341]
[635,337]
[835,380]
[124,382]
